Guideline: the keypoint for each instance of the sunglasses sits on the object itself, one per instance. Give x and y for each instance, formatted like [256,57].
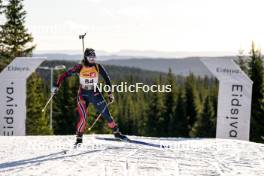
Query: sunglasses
[89,58]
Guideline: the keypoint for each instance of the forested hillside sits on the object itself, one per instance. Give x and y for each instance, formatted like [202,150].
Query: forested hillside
[181,112]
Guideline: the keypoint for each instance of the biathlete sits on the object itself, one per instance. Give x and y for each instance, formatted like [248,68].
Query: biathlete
[88,73]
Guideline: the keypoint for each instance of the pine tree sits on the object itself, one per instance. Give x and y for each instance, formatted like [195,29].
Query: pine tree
[191,98]
[125,117]
[137,116]
[1,12]
[155,113]
[242,61]
[180,121]
[206,123]
[142,107]
[170,103]
[37,123]
[121,118]
[14,36]
[3,59]
[256,73]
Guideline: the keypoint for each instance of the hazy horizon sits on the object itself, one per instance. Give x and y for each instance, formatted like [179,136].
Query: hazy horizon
[167,26]
[144,53]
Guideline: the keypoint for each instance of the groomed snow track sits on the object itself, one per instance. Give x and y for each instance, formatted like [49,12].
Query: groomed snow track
[44,155]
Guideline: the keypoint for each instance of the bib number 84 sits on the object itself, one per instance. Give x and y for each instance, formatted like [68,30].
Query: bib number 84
[89,81]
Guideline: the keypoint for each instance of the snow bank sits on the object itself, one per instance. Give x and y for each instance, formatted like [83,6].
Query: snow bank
[43,155]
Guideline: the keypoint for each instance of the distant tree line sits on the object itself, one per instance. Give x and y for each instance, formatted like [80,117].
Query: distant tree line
[186,111]
[189,110]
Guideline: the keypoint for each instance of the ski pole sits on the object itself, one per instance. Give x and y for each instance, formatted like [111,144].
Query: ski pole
[82,37]
[48,102]
[98,117]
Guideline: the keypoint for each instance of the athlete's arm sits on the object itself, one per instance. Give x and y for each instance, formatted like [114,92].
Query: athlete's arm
[70,72]
[105,75]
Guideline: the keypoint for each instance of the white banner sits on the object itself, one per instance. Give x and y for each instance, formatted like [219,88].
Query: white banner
[234,99]
[13,95]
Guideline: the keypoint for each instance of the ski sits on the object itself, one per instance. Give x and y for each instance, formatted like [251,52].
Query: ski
[113,139]
[131,141]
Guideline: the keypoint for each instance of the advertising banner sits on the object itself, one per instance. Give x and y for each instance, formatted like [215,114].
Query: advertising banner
[234,99]
[13,95]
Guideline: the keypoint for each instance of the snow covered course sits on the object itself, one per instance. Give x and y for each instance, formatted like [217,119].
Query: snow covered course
[53,155]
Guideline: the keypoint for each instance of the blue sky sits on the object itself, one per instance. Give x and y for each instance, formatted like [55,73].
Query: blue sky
[160,25]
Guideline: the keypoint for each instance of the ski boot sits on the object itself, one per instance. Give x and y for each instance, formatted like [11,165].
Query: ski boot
[78,140]
[119,135]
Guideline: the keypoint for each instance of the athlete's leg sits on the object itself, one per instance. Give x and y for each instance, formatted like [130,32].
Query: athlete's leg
[82,111]
[100,104]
